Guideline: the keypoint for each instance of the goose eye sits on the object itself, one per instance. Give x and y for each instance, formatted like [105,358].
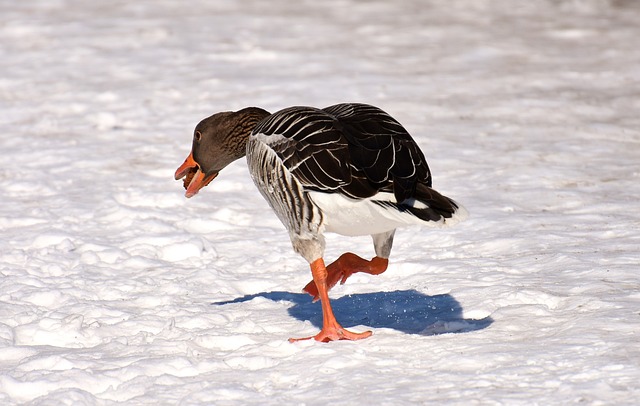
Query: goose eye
[197,135]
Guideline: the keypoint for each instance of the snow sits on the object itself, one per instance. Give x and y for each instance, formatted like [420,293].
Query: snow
[115,289]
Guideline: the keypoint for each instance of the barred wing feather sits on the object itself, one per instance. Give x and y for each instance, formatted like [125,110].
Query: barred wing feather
[381,147]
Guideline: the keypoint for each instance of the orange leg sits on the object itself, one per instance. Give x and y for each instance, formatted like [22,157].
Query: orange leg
[331,329]
[345,266]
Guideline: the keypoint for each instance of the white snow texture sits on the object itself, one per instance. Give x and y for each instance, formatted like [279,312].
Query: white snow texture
[116,289]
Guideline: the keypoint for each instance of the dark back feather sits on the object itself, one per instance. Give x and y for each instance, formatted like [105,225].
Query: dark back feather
[354,149]
[381,147]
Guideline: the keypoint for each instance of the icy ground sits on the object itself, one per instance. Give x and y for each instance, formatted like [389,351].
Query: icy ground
[115,289]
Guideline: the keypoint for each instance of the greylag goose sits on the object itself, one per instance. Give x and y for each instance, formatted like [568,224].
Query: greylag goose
[350,168]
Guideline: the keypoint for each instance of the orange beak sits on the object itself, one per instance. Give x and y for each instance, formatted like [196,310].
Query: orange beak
[195,178]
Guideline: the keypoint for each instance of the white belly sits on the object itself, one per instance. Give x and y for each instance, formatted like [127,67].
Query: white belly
[359,217]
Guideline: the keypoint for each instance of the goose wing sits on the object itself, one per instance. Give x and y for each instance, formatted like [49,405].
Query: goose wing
[353,149]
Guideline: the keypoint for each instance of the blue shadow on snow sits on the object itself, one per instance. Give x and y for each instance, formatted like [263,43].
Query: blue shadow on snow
[408,311]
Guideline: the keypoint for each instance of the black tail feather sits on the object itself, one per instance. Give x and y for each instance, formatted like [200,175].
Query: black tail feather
[438,206]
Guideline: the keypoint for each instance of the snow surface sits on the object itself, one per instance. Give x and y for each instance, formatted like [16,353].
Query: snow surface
[115,289]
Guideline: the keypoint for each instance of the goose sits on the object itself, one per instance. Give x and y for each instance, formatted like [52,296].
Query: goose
[350,168]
